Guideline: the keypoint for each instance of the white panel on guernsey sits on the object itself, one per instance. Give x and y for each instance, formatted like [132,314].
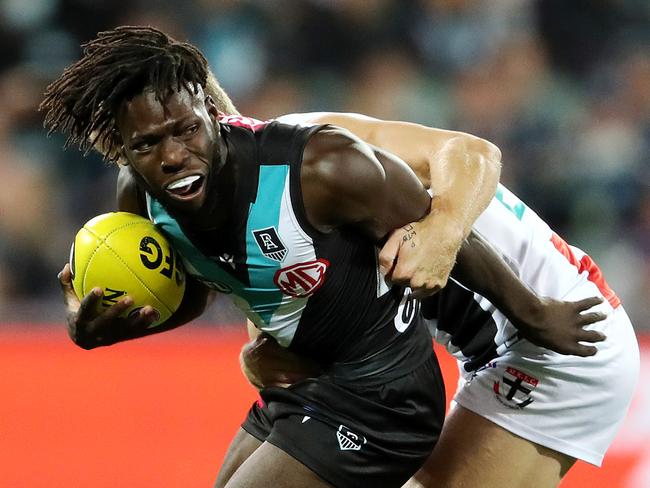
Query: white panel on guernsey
[284,322]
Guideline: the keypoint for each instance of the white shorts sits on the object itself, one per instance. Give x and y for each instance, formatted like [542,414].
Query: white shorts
[570,404]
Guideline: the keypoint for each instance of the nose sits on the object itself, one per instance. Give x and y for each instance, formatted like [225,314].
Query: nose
[174,154]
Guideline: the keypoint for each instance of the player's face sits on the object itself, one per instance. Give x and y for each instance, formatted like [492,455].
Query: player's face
[174,146]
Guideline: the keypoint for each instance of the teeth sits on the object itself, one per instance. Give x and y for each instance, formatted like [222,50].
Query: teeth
[187,181]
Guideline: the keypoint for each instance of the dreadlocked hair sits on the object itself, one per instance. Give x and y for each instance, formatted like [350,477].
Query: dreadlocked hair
[116,66]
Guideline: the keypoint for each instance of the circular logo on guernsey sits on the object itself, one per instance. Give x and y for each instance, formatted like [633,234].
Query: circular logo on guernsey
[302,279]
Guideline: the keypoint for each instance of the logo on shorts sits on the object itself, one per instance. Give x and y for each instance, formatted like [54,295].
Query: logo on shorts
[270,244]
[515,388]
[303,279]
[348,440]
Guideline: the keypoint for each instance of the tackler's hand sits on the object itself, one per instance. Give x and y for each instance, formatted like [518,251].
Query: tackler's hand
[90,327]
[415,256]
[265,363]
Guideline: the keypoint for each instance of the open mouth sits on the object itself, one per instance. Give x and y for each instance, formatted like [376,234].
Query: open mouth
[186,188]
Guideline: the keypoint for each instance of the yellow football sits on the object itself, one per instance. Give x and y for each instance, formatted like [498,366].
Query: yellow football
[125,254]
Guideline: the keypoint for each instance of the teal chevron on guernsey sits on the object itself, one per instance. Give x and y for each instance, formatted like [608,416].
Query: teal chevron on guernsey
[260,299]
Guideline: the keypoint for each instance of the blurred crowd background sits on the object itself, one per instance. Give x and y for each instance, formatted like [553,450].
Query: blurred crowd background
[563,87]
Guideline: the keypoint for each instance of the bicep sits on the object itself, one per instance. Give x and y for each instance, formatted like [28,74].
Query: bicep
[415,144]
[349,183]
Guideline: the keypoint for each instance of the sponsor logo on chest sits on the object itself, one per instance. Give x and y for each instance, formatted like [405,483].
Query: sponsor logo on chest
[302,279]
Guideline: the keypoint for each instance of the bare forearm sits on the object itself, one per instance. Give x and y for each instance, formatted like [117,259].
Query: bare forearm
[461,170]
[547,322]
[463,178]
[483,270]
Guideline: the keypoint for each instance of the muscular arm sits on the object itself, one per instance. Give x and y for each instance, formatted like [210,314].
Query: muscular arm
[461,170]
[418,146]
[547,322]
[457,162]
[347,183]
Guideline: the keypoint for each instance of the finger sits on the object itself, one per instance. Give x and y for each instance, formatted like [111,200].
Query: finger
[109,325]
[65,275]
[591,318]
[147,316]
[114,311]
[88,305]
[583,351]
[137,320]
[424,292]
[388,253]
[69,296]
[590,336]
[587,303]
[402,274]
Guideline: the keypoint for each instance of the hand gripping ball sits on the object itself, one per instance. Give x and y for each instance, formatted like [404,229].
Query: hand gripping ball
[125,254]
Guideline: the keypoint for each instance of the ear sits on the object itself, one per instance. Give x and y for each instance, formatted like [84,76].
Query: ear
[211,107]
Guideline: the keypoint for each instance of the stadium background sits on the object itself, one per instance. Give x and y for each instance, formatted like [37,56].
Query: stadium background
[562,87]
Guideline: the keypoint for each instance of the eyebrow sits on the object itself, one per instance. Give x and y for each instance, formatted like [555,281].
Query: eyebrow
[186,120]
[144,138]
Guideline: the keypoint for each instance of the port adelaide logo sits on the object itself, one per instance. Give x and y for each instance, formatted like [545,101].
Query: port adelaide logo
[348,440]
[270,244]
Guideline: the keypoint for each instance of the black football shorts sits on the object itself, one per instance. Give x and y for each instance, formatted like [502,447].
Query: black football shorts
[355,437]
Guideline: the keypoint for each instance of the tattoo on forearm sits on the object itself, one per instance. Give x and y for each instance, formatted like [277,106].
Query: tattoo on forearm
[410,234]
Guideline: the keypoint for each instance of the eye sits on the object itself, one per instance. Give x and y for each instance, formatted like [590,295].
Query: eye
[190,130]
[141,147]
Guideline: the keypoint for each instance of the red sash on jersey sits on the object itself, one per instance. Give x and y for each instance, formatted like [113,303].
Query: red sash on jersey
[594,274]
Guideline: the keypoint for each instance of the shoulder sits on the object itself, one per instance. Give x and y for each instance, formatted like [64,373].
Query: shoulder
[130,197]
[338,159]
[340,176]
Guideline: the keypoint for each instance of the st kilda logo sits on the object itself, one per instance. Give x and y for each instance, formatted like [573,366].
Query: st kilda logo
[302,279]
[515,389]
